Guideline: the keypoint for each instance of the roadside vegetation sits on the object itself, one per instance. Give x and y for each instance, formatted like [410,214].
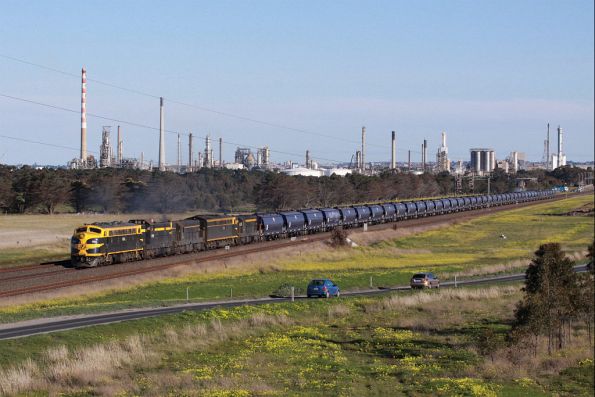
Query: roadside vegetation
[446,342]
[466,249]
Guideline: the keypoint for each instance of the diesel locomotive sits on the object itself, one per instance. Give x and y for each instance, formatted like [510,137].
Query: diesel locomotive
[105,243]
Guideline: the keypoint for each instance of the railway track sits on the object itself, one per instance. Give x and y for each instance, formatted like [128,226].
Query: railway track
[21,268]
[160,264]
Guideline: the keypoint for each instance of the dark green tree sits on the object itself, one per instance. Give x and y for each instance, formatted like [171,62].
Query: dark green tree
[550,296]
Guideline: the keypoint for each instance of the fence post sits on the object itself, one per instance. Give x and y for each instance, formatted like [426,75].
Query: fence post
[371,285]
[231,292]
[187,294]
[292,293]
[455,281]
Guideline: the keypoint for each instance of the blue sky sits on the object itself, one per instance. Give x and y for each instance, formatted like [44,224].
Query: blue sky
[489,73]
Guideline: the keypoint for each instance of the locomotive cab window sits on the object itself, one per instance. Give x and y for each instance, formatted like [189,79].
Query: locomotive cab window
[95,230]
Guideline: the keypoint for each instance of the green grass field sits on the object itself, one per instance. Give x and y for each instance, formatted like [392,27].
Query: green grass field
[467,248]
[411,343]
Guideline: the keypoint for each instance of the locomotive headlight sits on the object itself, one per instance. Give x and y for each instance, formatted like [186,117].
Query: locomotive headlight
[93,241]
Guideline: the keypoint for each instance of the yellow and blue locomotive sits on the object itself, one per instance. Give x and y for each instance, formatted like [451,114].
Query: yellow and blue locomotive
[99,244]
[103,243]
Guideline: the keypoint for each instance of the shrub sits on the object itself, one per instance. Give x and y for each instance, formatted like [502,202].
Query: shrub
[339,237]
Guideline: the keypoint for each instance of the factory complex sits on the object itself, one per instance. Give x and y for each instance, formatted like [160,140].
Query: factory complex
[481,162]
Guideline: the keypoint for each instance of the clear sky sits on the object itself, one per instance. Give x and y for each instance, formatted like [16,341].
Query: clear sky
[489,73]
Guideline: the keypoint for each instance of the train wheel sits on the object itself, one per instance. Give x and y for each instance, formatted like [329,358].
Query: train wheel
[94,262]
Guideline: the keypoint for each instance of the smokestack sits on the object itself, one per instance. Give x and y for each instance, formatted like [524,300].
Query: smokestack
[84,115]
[560,137]
[393,158]
[190,155]
[161,136]
[444,139]
[208,156]
[423,160]
[119,147]
[409,160]
[547,149]
[179,162]
[363,149]
[220,152]
[142,160]
[425,147]
[307,159]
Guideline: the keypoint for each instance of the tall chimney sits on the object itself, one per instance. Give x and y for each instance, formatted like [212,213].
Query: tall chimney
[119,147]
[84,115]
[307,159]
[393,158]
[443,139]
[208,156]
[220,152]
[547,149]
[190,155]
[161,136]
[425,149]
[409,159]
[560,149]
[363,149]
[179,162]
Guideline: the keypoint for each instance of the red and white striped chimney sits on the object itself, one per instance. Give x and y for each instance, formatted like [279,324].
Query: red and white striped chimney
[84,115]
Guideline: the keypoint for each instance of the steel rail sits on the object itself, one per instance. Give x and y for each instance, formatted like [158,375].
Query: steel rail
[412,222]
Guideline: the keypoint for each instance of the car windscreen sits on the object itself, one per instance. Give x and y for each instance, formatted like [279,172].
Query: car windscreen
[419,275]
[317,282]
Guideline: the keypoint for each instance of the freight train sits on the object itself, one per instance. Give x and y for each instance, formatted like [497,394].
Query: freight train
[105,243]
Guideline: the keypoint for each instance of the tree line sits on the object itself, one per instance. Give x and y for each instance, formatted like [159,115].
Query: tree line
[29,190]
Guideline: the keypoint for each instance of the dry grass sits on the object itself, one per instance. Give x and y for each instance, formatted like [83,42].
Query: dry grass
[397,302]
[512,362]
[338,311]
[18,231]
[108,367]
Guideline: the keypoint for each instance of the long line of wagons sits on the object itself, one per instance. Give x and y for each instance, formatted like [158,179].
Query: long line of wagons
[105,243]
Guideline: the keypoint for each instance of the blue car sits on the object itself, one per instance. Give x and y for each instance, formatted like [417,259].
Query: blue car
[323,288]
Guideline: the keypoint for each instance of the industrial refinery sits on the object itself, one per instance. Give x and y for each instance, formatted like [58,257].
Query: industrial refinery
[481,162]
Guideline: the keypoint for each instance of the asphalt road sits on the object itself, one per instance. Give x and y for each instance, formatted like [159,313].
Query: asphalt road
[49,325]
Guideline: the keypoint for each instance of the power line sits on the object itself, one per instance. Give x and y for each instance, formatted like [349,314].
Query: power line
[135,124]
[202,108]
[14,138]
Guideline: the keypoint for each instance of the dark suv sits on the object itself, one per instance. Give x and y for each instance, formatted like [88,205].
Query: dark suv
[424,280]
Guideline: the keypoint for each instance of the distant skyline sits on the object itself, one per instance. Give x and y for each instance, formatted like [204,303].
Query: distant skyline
[489,73]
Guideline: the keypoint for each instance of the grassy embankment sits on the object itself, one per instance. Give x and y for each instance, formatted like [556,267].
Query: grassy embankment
[422,343]
[468,248]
